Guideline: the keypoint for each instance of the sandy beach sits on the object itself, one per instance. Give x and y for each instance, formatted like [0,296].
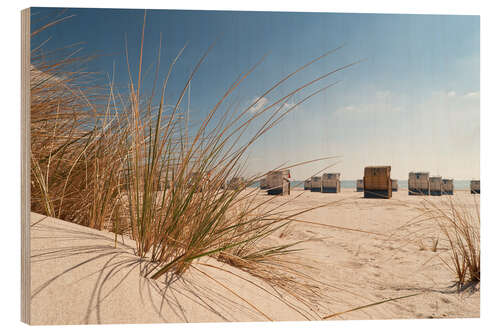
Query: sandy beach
[362,250]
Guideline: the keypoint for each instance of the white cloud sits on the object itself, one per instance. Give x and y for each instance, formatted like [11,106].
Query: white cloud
[349,108]
[451,94]
[383,94]
[472,94]
[375,107]
[261,103]
[264,101]
[383,101]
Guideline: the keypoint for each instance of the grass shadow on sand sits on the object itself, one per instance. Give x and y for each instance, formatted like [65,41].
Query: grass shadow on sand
[104,280]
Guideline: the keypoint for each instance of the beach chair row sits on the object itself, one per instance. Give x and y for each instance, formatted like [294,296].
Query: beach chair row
[376,183]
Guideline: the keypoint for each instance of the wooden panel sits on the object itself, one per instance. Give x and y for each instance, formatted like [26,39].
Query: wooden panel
[25,167]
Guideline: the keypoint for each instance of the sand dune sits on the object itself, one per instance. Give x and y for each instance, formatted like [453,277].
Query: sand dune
[79,277]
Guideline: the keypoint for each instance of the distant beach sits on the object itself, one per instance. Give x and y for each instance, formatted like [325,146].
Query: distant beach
[350,184]
[364,249]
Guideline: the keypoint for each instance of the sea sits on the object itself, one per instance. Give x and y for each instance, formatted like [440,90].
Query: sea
[457,184]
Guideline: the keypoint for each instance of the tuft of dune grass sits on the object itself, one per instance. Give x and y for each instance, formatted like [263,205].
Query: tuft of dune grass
[75,140]
[459,222]
[126,163]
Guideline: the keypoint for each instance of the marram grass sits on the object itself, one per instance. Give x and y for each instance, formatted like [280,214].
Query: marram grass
[131,165]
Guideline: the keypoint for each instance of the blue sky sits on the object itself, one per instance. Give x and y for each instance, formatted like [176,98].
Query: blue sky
[413,102]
